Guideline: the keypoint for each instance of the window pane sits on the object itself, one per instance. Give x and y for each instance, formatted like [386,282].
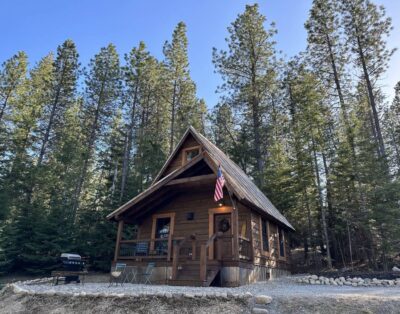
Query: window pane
[162,227]
[190,154]
[265,242]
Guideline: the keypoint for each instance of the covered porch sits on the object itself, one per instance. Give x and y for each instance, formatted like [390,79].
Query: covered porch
[189,257]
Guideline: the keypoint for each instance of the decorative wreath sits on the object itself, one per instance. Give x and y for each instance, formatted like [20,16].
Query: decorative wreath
[224,225]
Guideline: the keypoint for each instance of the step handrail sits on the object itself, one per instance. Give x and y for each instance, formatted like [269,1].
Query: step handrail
[203,254]
[175,254]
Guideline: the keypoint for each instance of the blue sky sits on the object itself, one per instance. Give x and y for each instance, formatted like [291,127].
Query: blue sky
[38,26]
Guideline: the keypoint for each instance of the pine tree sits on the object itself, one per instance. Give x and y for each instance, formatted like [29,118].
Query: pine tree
[12,75]
[62,94]
[101,98]
[308,123]
[141,79]
[392,129]
[249,73]
[180,90]
[20,235]
[367,27]
[328,57]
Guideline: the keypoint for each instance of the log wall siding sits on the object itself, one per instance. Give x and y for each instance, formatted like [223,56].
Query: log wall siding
[272,259]
[197,202]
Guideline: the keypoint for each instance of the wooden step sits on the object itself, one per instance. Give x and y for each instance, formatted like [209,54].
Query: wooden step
[186,282]
[188,274]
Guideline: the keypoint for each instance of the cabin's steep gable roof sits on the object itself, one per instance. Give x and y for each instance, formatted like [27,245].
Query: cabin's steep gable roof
[174,161]
[244,187]
[241,185]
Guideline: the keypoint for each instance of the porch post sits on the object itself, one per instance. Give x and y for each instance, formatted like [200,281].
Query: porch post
[235,227]
[119,235]
[235,232]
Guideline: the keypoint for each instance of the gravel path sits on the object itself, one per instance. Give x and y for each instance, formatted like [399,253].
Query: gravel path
[288,296]
[276,288]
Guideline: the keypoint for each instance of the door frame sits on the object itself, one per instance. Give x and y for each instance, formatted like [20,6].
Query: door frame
[211,213]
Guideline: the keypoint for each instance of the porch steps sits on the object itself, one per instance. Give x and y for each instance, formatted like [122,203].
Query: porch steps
[189,275]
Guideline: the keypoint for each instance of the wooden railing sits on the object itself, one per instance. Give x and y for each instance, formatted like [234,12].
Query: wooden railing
[245,248]
[203,255]
[177,252]
[146,248]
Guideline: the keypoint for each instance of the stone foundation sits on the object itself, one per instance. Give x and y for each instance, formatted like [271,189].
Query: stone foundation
[230,276]
[234,276]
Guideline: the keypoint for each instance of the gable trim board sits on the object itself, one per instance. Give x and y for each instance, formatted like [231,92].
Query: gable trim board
[236,180]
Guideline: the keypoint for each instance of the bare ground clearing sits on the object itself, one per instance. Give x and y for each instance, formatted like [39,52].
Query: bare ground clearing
[287,297]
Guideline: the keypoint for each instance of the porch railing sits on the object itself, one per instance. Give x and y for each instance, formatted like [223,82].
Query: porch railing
[142,248]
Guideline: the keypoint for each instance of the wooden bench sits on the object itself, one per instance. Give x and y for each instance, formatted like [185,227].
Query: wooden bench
[58,274]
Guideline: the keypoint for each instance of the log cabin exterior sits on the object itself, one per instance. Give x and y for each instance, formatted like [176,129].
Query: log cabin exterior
[192,239]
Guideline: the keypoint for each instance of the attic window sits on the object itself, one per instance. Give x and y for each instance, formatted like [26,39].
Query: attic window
[190,153]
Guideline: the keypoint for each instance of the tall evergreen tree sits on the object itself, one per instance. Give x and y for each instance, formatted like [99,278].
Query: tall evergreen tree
[12,74]
[392,129]
[62,93]
[180,90]
[249,73]
[367,27]
[101,99]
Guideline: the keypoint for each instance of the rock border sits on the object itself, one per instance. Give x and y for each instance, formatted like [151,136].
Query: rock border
[256,303]
[348,281]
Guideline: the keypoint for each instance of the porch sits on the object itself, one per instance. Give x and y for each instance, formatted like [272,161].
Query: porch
[189,260]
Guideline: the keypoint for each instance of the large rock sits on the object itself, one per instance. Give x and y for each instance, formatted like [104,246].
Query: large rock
[257,310]
[263,299]
[395,268]
[314,277]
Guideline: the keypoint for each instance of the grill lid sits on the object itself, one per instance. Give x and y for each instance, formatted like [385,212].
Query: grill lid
[70,256]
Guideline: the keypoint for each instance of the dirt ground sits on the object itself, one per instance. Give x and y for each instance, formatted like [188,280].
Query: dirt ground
[34,304]
[287,297]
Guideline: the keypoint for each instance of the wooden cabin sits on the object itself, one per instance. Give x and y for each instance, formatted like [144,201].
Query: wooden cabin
[192,239]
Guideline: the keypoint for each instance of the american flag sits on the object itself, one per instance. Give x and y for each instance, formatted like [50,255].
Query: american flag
[219,185]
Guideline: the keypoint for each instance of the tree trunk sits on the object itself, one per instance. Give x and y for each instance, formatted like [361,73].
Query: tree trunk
[343,107]
[349,239]
[256,128]
[128,146]
[51,120]
[371,97]
[3,107]
[92,138]
[172,129]
[322,207]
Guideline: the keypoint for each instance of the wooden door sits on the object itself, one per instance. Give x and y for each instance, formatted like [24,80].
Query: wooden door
[223,224]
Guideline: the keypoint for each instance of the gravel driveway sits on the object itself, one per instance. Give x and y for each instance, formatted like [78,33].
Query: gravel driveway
[287,295]
[274,288]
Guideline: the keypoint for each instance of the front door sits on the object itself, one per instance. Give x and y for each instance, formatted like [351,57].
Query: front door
[223,224]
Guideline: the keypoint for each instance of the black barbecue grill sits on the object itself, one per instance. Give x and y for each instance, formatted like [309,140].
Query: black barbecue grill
[72,262]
